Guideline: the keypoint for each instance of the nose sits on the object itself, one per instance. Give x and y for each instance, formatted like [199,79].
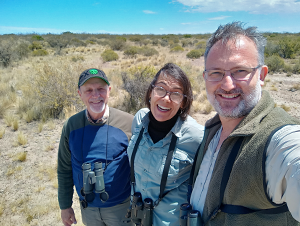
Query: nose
[95,93]
[167,96]
[228,83]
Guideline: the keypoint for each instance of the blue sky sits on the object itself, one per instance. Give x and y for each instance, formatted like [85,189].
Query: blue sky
[145,16]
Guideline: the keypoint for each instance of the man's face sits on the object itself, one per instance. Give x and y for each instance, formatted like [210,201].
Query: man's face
[229,97]
[95,93]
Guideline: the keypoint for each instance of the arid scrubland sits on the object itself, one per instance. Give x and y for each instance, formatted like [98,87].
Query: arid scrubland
[38,91]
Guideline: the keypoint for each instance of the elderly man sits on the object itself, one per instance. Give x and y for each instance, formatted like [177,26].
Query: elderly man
[247,169]
[92,156]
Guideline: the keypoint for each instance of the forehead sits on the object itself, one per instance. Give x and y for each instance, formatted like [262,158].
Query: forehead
[239,52]
[169,81]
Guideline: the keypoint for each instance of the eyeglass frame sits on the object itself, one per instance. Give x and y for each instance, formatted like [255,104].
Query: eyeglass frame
[168,92]
[224,71]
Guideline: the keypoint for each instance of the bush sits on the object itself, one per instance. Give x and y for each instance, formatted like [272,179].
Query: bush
[177,48]
[35,46]
[22,50]
[117,44]
[109,55]
[55,88]
[37,38]
[136,82]
[147,51]
[76,42]
[201,45]
[187,36]
[275,63]
[6,54]
[186,43]
[131,51]
[195,54]
[40,52]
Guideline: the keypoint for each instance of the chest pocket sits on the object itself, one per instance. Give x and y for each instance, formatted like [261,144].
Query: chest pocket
[180,164]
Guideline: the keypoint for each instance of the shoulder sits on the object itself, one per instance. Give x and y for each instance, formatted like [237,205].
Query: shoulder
[137,121]
[121,120]
[76,121]
[117,112]
[190,125]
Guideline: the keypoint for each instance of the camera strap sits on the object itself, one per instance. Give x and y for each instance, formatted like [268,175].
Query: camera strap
[165,170]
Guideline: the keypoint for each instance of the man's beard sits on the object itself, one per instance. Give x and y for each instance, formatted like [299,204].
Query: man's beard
[98,109]
[243,108]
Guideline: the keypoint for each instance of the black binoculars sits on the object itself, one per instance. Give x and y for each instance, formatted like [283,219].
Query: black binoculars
[93,179]
[188,216]
[141,213]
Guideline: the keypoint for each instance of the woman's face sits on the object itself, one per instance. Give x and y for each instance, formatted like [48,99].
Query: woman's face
[163,108]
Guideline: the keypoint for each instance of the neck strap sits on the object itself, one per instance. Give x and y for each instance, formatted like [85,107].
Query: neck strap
[166,167]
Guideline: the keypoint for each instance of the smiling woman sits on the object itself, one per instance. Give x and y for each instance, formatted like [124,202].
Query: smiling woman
[161,151]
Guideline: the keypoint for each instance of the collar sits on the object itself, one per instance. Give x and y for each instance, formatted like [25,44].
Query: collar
[100,120]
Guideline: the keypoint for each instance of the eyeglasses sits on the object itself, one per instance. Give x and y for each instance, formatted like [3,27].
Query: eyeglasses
[176,97]
[239,74]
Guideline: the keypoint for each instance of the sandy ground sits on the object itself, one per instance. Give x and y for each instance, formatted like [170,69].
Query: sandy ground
[29,189]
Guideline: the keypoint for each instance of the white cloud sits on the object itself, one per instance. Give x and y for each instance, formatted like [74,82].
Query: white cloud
[161,29]
[252,6]
[186,23]
[149,12]
[219,18]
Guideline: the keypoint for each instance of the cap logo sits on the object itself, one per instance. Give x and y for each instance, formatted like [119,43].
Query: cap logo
[94,71]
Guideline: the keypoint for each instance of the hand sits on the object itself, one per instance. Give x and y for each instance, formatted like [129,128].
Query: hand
[68,217]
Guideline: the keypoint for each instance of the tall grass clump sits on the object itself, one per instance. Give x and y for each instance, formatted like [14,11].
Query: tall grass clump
[22,140]
[109,55]
[55,87]
[2,132]
[136,81]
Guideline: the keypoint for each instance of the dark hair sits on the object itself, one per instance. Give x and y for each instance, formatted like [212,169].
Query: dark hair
[175,72]
[232,31]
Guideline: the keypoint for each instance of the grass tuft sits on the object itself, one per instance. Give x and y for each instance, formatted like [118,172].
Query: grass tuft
[22,140]
[21,156]
[2,132]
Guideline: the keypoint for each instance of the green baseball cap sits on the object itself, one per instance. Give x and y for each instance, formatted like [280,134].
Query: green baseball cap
[91,73]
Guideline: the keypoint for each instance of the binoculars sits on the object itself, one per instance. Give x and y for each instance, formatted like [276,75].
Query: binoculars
[188,216]
[93,179]
[141,213]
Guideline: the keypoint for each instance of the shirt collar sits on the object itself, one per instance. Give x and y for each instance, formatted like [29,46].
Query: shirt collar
[100,120]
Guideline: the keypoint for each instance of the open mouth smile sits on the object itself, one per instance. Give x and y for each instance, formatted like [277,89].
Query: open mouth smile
[161,108]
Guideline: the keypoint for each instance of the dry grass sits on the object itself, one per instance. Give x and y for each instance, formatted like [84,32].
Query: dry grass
[40,127]
[22,140]
[2,132]
[15,124]
[273,88]
[9,119]
[285,107]
[21,156]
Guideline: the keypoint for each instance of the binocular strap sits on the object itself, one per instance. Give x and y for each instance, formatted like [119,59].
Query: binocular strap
[166,167]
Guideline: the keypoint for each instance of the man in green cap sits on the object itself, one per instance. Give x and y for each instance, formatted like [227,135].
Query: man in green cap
[92,156]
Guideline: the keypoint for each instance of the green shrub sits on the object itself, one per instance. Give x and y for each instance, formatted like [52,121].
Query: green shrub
[109,55]
[117,44]
[37,38]
[22,50]
[131,51]
[288,48]
[187,36]
[186,43]
[136,82]
[164,42]
[177,48]
[55,88]
[135,38]
[275,63]
[40,52]
[296,68]
[76,42]
[6,54]
[35,45]
[195,53]
[155,42]
[201,45]
[147,51]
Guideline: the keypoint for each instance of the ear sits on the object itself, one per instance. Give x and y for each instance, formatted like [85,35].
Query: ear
[263,74]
